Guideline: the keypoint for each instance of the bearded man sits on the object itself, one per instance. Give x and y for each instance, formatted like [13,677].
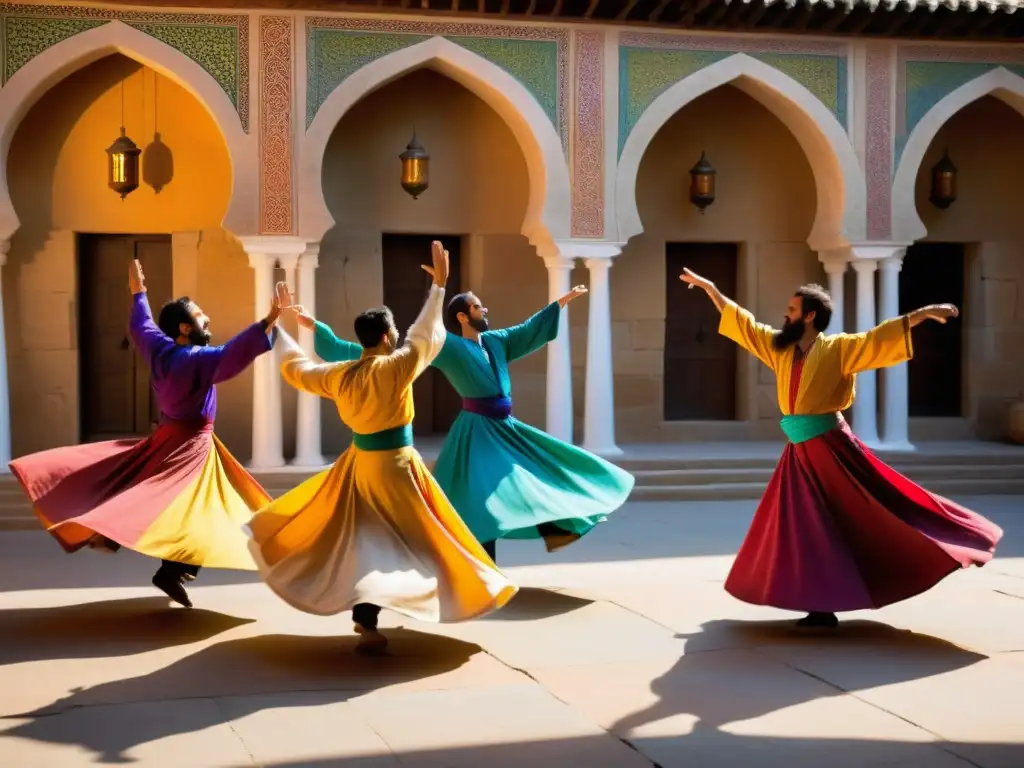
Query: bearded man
[177,495]
[837,529]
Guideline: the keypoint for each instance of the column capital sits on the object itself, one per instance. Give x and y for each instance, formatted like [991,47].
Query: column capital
[557,261]
[273,246]
[588,249]
[834,263]
[876,251]
[865,265]
[893,263]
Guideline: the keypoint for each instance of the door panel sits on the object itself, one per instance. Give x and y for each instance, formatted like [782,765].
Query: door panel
[116,400]
[934,273]
[405,289]
[700,364]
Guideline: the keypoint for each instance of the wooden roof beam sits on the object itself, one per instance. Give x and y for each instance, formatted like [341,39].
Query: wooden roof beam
[624,13]
[696,7]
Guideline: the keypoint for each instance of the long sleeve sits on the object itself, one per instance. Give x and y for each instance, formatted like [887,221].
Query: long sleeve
[330,348]
[884,345]
[756,338]
[230,359]
[532,334]
[149,340]
[305,375]
[424,340]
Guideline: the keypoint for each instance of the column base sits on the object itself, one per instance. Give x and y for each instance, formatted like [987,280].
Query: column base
[604,451]
[873,445]
[309,461]
[266,465]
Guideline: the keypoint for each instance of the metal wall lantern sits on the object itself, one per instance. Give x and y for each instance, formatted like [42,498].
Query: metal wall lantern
[415,168]
[702,183]
[123,165]
[943,193]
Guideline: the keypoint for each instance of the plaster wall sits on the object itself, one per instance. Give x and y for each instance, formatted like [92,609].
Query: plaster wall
[765,203]
[987,218]
[57,176]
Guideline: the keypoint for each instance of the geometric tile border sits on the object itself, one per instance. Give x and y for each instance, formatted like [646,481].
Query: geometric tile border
[536,56]
[878,147]
[276,65]
[649,64]
[218,43]
[588,136]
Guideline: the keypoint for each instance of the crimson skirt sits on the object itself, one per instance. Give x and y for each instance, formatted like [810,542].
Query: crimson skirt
[839,530]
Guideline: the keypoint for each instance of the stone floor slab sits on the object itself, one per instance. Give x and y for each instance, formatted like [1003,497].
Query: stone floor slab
[157,733]
[504,726]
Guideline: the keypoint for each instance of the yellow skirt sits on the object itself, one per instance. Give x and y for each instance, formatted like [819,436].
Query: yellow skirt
[375,528]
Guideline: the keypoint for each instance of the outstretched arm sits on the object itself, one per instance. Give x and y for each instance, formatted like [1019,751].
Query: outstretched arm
[305,375]
[529,336]
[231,359]
[426,336]
[737,323]
[330,348]
[146,335]
[889,343]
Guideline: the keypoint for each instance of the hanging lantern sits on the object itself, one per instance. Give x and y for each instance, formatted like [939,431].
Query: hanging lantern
[943,182]
[702,183]
[415,168]
[123,166]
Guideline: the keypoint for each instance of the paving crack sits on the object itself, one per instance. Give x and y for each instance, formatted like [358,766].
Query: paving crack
[230,724]
[940,742]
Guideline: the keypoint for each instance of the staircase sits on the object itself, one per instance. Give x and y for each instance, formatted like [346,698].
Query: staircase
[706,472]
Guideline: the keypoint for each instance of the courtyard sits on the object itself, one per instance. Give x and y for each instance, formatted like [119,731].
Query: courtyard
[620,651]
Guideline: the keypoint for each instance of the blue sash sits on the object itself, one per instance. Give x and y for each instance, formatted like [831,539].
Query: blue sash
[385,440]
[800,428]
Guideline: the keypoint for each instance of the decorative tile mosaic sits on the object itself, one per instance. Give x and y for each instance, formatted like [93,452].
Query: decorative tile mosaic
[926,74]
[878,148]
[217,42]
[588,136]
[650,64]
[536,56]
[276,63]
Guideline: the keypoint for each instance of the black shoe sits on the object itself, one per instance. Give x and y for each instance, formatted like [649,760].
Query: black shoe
[819,620]
[171,586]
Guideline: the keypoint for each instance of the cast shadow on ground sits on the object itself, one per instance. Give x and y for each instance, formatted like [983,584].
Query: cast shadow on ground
[243,668]
[532,603]
[721,688]
[106,629]
[721,750]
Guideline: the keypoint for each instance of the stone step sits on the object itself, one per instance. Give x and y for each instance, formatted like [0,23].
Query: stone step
[923,474]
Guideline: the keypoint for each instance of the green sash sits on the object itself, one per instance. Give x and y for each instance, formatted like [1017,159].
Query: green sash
[386,440]
[800,428]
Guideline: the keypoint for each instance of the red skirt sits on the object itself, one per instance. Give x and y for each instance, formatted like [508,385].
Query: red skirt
[176,495]
[839,530]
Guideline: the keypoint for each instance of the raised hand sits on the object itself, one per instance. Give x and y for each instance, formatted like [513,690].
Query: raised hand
[136,280]
[693,280]
[439,266]
[281,301]
[303,318]
[940,312]
[576,292]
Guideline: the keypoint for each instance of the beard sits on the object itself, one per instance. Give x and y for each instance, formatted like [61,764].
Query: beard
[790,334]
[478,324]
[199,338]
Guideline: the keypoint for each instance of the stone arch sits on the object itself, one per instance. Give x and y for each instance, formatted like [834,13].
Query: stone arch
[549,208]
[842,198]
[907,225]
[44,71]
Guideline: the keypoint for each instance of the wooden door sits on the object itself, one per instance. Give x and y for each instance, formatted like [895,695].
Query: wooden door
[116,398]
[933,273]
[405,289]
[700,364]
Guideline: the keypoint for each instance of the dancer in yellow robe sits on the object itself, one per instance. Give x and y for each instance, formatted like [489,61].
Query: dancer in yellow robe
[375,530]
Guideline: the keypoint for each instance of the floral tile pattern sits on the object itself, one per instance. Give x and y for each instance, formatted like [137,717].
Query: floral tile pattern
[218,43]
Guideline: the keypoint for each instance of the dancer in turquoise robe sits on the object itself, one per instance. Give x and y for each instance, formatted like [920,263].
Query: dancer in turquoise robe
[506,479]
